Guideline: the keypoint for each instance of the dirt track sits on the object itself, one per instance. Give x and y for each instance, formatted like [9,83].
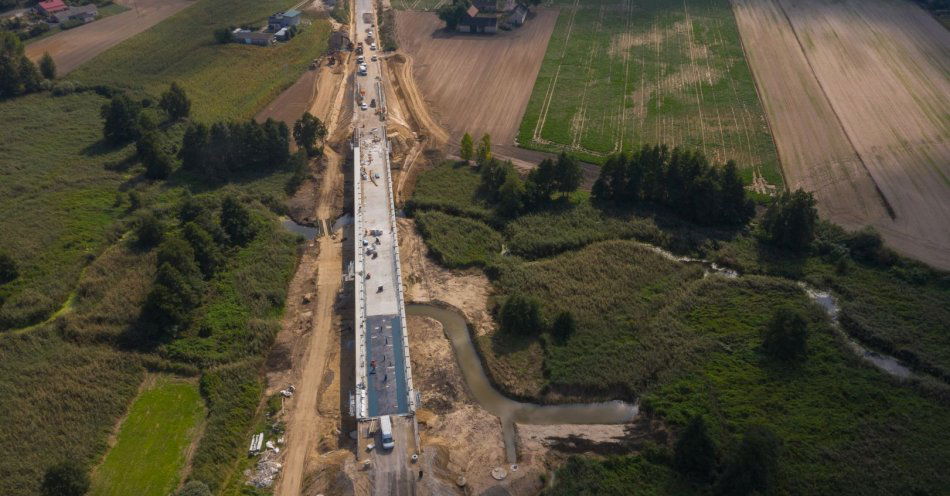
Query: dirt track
[72,48]
[476,83]
[857,94]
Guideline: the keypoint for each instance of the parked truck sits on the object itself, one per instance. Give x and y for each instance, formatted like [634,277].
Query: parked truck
[386,432]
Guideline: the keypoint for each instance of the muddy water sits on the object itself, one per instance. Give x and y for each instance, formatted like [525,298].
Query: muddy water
[305,231]
[510,411]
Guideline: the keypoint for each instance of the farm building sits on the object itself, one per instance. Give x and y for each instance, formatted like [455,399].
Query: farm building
[284,19]
[253,38]
[84,13]
[485,16]
[50,7]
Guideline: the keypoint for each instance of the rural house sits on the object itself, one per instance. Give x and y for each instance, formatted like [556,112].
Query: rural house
[247,37]
[50,7]
[84,13]
[283,20]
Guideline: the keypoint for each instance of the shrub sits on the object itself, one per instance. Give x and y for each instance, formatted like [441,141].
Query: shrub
[564,326]
[8,268]
[786,336]
[149,231]
[194,488]
[695,453]
[520,315]
[66,478]
[223,35]
[754,465]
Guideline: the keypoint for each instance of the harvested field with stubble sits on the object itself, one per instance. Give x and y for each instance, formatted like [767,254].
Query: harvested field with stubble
[857,96]
[476,83]
[619,74]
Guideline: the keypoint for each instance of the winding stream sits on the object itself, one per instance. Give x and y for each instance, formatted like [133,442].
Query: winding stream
[511,412]
[508,410]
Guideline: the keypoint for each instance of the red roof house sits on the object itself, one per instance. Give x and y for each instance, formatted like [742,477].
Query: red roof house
[48,7]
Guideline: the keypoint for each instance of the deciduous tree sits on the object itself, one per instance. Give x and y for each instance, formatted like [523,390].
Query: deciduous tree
[483,154]
[175,102]
[236,221]
[307,131]
[467,148]
[790,221]
[47,66]
[120,118]
[520,315]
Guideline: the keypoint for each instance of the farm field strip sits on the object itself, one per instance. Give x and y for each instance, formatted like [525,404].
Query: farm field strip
[857,96]
[692,75]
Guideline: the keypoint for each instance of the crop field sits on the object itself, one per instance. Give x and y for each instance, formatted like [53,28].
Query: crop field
[72,48]
[223,81]
[150,447]
[856,92]
[620,74]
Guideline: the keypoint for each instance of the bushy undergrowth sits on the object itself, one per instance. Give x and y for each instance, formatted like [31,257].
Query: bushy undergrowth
[573,226]
[233,393]
[451,188]
[59,401]
[458,241]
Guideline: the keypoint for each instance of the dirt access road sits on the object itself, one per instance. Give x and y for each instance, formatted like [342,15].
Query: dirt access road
[476,83]
[72,48]
[857,94]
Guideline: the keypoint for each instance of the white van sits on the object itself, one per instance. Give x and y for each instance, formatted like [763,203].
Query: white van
[386,432]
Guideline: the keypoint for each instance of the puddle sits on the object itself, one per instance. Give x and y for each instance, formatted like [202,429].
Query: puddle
[305,231]
[513,412]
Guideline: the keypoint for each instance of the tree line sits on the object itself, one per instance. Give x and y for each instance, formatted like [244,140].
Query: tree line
[215,152]
[502,186]
[18,74]
[683,181]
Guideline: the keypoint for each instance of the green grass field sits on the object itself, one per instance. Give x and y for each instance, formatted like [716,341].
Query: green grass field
[657,330]
[619,74]
[223,81]
[149,452]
